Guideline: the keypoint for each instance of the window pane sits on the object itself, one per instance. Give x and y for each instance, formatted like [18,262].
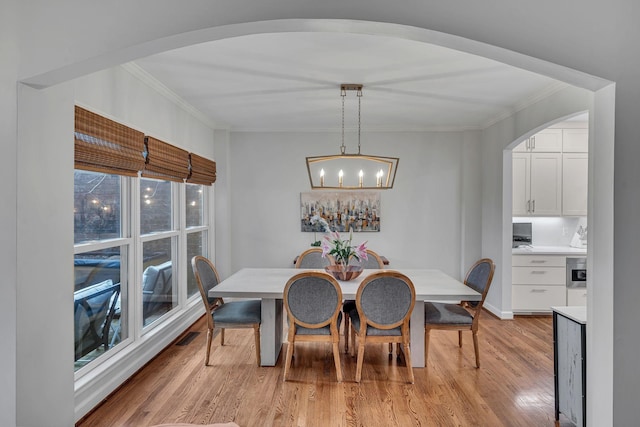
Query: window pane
[158,292]
[97,201]
[195,205]
[155,206]
[196,245]
[99,320]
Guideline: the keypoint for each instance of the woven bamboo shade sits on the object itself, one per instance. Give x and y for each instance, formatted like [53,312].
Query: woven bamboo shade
[102,145]
[164,161]
[203,171]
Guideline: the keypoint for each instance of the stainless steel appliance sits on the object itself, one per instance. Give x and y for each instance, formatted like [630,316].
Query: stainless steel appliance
[576,272]
[521,234]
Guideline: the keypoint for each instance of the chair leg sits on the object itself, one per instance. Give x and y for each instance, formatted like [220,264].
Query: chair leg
[407,358]
[336,359]
[222,336]
[287,362]
[209,339]
[346,332]
[475,347]
[459,338]
[353,341]
[256,335]
[390,348]
[361,343]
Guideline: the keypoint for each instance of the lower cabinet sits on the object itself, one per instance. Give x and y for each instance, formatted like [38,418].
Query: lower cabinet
[576,296]
[539,282]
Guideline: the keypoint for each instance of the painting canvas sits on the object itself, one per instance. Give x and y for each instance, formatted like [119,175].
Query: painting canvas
[342,210]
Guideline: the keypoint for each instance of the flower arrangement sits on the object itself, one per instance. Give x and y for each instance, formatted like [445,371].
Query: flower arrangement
[341,249]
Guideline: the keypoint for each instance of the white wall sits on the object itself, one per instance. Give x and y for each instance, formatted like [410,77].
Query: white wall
[8,170]
[45,228]
[497,212]
[70,38]
[45,269]
[422,216]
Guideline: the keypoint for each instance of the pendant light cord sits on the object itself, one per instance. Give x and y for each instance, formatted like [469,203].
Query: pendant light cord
[343,94]
[359,99]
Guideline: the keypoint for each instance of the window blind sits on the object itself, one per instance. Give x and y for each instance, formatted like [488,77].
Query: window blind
[203,171]
[102,145]
[165,161]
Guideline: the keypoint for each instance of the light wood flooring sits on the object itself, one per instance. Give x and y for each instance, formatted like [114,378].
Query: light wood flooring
[513,387]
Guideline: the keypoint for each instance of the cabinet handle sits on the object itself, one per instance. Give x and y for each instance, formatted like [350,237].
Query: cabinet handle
[533,204]
[538,272]
[528,205]
[538,291]
[533,142]
[538,261]
[528,144]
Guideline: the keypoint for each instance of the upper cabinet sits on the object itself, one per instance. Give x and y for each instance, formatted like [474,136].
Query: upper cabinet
[550,174]
[575,140]
[537,184]
[545,141]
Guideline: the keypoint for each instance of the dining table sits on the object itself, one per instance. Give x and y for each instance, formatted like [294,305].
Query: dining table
[267,284]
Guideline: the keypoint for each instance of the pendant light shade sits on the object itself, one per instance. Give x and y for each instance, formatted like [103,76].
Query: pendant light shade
[351,171]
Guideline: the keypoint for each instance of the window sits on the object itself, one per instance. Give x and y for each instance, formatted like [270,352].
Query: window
[137,226]
[197,235]
[100,320]
[158,233]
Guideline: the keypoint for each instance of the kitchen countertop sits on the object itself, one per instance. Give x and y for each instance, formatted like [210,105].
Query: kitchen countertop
[548,250]
[575,313]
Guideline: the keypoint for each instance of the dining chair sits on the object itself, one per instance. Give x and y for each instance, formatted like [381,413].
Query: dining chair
[464,316]
[384,303]
[223,315]
[312,258]
[373,261]
[313,300]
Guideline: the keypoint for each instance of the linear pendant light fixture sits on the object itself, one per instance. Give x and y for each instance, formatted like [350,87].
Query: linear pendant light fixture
[352,171]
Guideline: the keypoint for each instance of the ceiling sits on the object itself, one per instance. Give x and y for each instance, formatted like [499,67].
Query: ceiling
[291,82]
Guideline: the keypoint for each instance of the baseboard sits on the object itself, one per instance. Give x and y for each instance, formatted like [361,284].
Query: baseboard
[500,314]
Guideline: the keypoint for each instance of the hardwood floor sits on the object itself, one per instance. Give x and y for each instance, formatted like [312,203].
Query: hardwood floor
[514,386]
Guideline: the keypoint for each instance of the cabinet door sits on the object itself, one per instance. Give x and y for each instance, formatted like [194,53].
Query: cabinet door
[546,141]
[521,174]
[576,296]
[575,140]
[537,298]
[574,183]
[546,184]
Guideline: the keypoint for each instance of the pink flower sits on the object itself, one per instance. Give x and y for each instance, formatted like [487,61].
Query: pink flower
[361,251]
[326,246]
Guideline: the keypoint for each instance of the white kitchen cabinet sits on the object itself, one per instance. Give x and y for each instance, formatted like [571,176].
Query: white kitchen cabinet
[539,282]
[575,140]
[548,140]
[537,184]
[575,170]
[577,296]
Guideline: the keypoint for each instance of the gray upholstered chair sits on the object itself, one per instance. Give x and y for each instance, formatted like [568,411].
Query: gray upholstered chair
[463,316]
[236,314]
[312,258]
[313,300]
[373,261]
[384,303]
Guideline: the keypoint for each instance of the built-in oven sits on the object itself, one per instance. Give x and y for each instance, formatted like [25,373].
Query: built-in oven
[576,272]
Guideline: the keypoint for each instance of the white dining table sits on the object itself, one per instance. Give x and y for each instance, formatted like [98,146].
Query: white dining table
[268,285]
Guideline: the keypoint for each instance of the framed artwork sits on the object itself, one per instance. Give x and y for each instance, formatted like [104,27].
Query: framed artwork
[340,211]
